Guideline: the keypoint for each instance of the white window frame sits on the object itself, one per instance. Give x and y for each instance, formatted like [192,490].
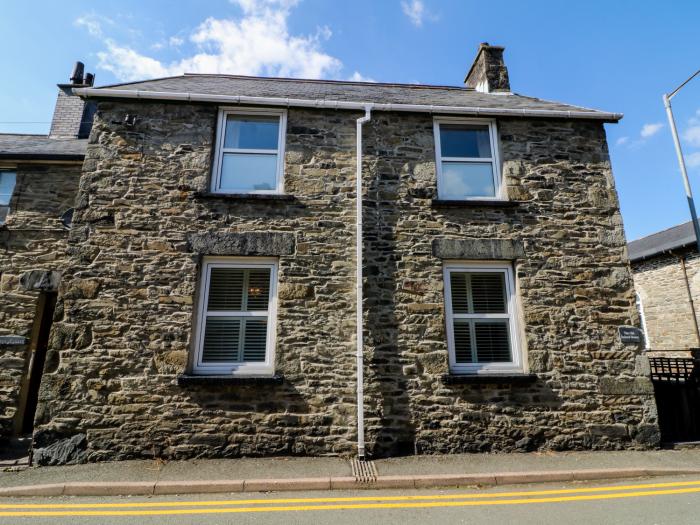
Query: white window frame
[220,150]
[516,365]
[639,302]
[2,170]
[265,368]
[495,160]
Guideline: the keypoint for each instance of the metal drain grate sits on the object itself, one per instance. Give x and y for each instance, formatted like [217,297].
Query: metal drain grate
[364,471]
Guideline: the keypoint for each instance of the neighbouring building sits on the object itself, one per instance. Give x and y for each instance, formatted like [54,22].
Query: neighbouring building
[39,176]
[666,272]
[207,297]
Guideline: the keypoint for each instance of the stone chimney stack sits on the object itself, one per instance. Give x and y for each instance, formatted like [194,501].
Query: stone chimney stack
[488,73]
[72,117]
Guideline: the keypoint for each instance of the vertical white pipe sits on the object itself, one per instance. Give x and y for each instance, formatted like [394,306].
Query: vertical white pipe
[358,289]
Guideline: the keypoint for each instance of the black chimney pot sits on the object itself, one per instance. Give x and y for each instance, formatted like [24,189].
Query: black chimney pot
[89,79]
[77,75]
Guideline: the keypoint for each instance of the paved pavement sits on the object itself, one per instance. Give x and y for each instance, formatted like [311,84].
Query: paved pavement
[287,468]
[668,501]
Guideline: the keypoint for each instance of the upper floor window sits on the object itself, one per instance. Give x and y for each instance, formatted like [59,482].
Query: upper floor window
[8,180]
[250,151]
[237,310]
[481,322]
[467,159]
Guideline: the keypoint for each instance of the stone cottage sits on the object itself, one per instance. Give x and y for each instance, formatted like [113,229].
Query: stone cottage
[666,272]
[208,301]
[39,176]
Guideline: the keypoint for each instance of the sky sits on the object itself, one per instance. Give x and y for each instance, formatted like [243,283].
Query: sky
[613,55]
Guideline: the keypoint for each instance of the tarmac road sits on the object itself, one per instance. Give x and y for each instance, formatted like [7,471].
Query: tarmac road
[667,501]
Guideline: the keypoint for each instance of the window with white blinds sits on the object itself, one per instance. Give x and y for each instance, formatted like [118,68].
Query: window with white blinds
[481,329]
[236,316]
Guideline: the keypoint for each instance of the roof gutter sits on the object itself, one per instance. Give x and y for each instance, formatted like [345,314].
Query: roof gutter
[342,104]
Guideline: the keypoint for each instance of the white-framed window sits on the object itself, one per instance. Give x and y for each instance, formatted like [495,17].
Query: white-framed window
[467,160]
[237,309]
[8,179]
[480,306]
[249,154]
[640,308]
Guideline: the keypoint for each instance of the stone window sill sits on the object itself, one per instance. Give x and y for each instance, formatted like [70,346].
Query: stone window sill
[202,380]
[250,197]
[482,379]
[474,203]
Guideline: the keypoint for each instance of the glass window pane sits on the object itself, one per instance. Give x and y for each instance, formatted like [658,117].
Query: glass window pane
[248,172]
[488,292]
[492,341]
[7,185]
[463,341]
[465,140]
[255,340]
[221,340]
[459,289]
[4,210]
[258,289]
[249,132]
[226,289]
[467,179]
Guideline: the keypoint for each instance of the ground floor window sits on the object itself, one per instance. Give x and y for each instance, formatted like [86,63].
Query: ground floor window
[237,314]
[480,308]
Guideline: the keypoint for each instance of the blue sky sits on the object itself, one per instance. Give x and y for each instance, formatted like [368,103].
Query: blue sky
[612,55]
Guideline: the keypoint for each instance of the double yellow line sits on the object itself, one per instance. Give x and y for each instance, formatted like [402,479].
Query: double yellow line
[348,503]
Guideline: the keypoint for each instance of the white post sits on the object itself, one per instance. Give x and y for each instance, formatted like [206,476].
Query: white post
[681,162]
[358,290]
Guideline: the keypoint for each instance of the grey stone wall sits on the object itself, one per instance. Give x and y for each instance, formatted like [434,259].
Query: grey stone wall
[125,312]
[33,239]
[668,312]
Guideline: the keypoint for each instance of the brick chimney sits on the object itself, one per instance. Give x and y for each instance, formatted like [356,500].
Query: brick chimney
[72,116]
[488,73]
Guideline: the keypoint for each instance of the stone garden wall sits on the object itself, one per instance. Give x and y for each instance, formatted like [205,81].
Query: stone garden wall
[143,221]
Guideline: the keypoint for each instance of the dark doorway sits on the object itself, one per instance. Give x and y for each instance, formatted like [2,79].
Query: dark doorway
[38,346]
[677,391]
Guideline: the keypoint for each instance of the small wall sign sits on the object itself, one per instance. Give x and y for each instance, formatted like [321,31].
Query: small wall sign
[630,335]
[10,340]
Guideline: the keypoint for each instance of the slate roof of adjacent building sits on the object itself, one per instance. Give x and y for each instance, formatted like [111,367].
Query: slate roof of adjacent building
[334,90]
[40,147]
[673,238]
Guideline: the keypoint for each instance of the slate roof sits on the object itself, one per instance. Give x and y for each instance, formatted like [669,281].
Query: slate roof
[679,236]
[40,147]
[333,90]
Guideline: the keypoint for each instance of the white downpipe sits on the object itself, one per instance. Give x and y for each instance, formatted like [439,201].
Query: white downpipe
[358,289]
[475,111]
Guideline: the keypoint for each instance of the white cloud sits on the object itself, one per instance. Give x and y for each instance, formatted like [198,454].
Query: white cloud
[257,43]
[622,140]
[692,136]
[693,160]
[359,77]
[93,23]
[414,10]
[649,130]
